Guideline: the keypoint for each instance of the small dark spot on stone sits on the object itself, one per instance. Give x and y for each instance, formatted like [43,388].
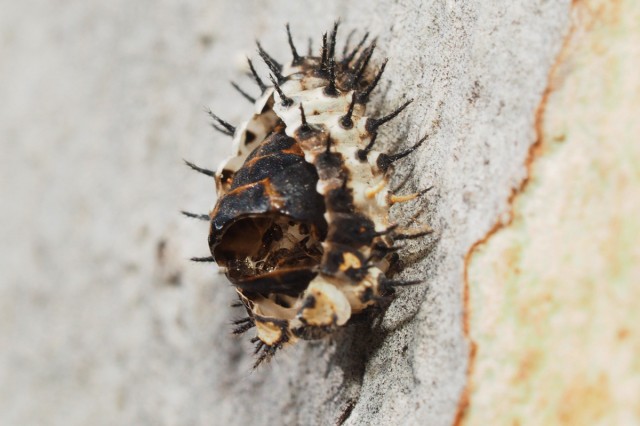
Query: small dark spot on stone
[467,197]
[559,138]
[475,93]
[161,248]
[205,40]
[131,267]
[175,279]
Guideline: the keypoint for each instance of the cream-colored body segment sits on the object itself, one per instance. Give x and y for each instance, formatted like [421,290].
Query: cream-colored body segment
[368,185]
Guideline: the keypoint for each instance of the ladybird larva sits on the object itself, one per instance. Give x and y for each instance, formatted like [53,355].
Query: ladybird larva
[301,225]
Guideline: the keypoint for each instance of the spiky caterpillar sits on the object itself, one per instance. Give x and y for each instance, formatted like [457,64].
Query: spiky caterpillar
[301,224]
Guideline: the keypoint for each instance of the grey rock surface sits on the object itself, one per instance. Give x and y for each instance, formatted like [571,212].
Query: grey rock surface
[103,320]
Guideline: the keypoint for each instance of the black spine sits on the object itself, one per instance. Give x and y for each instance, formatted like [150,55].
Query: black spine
[332,40]
[330,89]
[414,235]
[347,60]
[324,56]
[346,121]
[226,128]
[364,96]
[345,49]
[206,172]
[203,259]
[363,60]
[399,283]
[273,66]
[294,52]
[256,77]
[243,93]
[385,160]
[196,215]
[373,123]
[305,126]
[286,101]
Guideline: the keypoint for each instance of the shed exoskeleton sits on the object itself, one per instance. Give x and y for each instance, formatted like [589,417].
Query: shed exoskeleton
[301,225]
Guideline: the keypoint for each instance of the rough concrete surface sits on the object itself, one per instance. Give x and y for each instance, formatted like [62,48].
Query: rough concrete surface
[102,318]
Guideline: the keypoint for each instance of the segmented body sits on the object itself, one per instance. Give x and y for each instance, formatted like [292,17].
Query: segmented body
[301,224]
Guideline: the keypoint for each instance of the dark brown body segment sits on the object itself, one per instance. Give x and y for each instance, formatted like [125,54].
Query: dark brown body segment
[274,184]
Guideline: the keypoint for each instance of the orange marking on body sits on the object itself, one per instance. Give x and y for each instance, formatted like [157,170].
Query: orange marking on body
[402,198]
[371,192]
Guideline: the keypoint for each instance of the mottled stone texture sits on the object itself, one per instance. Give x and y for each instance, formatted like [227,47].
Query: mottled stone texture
[554,294]
[102,318]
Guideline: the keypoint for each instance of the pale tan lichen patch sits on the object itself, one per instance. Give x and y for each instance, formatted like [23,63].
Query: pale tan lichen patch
[553,295]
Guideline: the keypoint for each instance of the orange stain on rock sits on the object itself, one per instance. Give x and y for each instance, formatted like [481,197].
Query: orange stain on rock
[584,401]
